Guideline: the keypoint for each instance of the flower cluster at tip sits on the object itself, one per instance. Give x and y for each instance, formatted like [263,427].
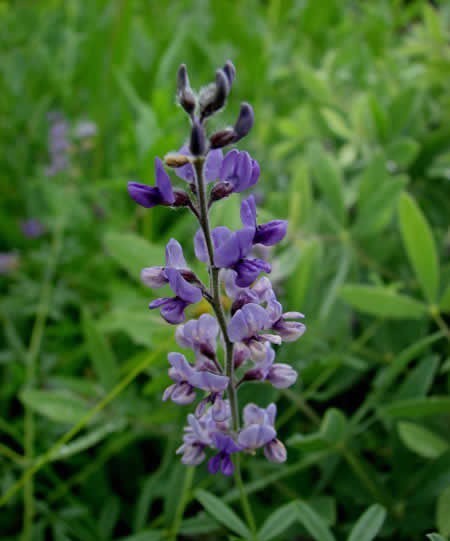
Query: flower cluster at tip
[254,323]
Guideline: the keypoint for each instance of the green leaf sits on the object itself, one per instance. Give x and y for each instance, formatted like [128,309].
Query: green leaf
[443,512]
[222,513]
[383,302]
[420,246]
[417,407]
[132,252]
[278,522]
[329,178]
[312,522]
[336,123]
[421,441]
[369,524]
[100,352]
[435,537]
[146,535]
[59,406]
[90,439]
[403,151]
[444,304]
[334,426]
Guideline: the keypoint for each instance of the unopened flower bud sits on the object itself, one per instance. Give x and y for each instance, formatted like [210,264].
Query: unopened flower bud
[282,376]
[221,190]
[174,159]
[197,144]
[213,97]
[222,138]
[244,122]
[275,451]
[185,94]
[230,71]
[181,199]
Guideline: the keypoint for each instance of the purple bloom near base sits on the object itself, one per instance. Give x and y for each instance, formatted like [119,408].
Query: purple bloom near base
[222,460]
[32,228]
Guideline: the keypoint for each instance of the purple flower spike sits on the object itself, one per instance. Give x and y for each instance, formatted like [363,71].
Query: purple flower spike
[222,461]
[150,196]
[250,319]
[240,170]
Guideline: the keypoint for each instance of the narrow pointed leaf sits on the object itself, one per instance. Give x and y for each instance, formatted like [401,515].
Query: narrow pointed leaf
[420,246]
[222,513]
[369,524]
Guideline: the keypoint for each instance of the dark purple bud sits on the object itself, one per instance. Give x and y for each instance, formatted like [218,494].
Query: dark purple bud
[181,199]
[230,71]
[213,97]
[197,144]
[185,94]
[222,138]
[244,122]
[221,190]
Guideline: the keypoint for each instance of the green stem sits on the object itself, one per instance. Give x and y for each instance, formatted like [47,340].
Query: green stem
[30,375]
[215,291]
[220,314]
[182,502]
[243,495]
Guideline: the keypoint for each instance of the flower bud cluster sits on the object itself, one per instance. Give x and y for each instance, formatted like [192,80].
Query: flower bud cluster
[235,346]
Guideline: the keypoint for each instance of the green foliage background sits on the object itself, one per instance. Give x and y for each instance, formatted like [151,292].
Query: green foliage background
[352,104]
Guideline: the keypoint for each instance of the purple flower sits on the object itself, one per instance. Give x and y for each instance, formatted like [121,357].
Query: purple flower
[176,274]
[58,144]
[211,167]
[200,335]
[150,196]
[240,170]
[259,432]
[230,252]
[172,308]
[32,228]
[280,375]
[187,378]
[284,324]
[245,326]
[222,460]
[196,438]
[269,233]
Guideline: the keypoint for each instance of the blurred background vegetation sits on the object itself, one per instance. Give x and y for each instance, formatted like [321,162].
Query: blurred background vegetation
[352,104]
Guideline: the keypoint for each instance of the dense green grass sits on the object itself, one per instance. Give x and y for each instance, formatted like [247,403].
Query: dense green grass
[352,104]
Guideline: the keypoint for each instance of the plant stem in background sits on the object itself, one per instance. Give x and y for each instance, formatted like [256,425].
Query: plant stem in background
[31,369]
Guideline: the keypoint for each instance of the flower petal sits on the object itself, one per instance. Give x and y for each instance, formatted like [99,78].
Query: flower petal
[174,255]
[248,212]
[213,164]
[163,182]
[146,196]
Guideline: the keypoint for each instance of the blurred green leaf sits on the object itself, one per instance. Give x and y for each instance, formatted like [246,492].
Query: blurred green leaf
[369,524]
[58,406]
[445,300]
[420,246]
[383,302]
[278,522]
[443,512]
[222,513]
[329,178]
[421,441]
[132,252]
[100,352]
[417,407]
[313,523]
